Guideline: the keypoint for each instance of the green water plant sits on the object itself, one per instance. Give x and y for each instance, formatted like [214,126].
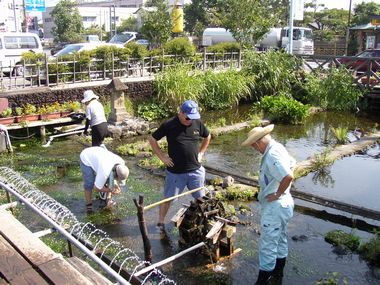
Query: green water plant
[340,134]
[370,251]
[282,108]
[340,238]
[322,160]
[153,110]
[332,278]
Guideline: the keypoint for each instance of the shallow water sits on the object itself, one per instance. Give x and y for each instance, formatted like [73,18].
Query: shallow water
[57,167]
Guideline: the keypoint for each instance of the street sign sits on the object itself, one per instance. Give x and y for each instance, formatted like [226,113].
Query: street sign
[35,6]
[298,9]
[375,22]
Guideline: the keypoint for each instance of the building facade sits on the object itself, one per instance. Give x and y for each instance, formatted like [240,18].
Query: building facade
[11,16]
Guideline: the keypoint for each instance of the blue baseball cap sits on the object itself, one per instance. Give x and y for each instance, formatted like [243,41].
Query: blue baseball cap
[191,109]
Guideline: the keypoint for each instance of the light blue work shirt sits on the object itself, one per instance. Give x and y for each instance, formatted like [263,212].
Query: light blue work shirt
[276,163]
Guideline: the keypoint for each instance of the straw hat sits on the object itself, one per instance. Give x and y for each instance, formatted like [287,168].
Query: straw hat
[122,173]
[257,133]
[88,96]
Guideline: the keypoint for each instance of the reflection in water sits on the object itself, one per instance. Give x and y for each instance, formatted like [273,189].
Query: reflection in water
[323,177]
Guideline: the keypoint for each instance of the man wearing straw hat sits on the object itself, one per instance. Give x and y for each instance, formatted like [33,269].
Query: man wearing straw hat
[95,118]
[183,161]
[276,176]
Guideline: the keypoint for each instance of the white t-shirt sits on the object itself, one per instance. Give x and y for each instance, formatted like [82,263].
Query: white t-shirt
[95,113]
[101,161]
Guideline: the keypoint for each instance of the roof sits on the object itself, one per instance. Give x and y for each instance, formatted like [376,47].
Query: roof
[368,26]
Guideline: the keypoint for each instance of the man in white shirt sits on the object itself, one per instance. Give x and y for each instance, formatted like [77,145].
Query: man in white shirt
[103,171]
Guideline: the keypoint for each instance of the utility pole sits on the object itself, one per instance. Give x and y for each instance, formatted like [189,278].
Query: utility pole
[15,15]
[348,27]
[290,31]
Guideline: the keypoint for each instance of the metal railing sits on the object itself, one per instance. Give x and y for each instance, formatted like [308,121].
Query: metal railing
[58,71]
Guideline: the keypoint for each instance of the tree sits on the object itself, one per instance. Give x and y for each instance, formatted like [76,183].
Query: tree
[157,24]
[250,20]
[199,15]
[68,22]
[129,24]
[363,12]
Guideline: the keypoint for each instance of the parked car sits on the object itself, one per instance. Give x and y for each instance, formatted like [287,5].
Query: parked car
[72,48]
[142,42]
[361,61]
[123,38]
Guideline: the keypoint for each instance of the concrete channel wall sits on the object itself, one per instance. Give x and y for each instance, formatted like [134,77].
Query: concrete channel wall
[44,96]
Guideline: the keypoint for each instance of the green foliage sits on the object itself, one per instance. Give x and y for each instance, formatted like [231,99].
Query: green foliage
[178,84]
[6,113]
[153,110]
[31,57]
[242,194]
[340,134]
[252,24]
[332,278]
[129,24]
[180,46]
[157,25]
[363,12]
[340,238]
[370,250]
[71,106]
[68,22]
[29,109]
[137,51]
[151,163]
[322,160]
[282,109]
[224,89]
[333,91]
[274,71]
[224,47]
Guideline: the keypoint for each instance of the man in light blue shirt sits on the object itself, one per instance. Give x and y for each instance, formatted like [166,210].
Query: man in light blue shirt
[276,176]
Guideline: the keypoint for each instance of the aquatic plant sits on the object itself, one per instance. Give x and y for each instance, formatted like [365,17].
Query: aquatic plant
[153,110]
[332,278]
[246,193]
[282,108]
[340,134]
[340,238]
[151,163]
[370,251]
[322,160]
[57,243]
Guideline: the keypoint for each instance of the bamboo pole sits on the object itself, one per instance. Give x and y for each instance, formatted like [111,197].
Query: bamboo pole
[173,197]
[143,229]
[169,259]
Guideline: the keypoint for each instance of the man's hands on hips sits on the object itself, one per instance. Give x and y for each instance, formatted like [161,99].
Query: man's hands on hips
[167,161]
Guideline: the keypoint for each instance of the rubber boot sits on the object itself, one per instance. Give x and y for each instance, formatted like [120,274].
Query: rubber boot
[264,277]
[278,271]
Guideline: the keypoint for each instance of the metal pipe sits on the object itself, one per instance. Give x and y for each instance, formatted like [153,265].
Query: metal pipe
[67,235]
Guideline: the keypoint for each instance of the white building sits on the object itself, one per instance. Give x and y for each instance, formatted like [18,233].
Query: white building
[91,16]
[11,15]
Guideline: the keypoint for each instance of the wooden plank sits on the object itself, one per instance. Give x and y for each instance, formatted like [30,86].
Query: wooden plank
[59,271]
[32,248]
[178,217]
[215,231]
[94,276]
[14,268]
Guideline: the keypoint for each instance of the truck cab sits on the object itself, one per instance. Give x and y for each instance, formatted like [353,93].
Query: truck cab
[303,43]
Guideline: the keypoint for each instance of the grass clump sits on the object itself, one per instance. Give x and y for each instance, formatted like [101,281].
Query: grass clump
[332,278]
[340,134]
[370,251]
[340,238]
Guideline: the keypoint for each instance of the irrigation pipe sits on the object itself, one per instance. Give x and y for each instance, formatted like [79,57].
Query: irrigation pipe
[173,198]
[51,138]
[67,235]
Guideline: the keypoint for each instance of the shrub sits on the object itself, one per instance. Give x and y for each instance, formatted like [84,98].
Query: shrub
[137,51]
[6,113]
[333,91]
[177,84]
[180,46]
[274,71]
[282,109]
[224,47]
[153,110]
[340,134]
[224,89]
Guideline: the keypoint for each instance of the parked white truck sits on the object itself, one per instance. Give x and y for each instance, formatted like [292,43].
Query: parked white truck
[276,38]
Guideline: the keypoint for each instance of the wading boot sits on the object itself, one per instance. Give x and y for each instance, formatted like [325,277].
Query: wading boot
[264,277]
[278,271]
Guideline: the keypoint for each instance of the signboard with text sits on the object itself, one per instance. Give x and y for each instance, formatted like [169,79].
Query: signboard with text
[298,6]
[35,6]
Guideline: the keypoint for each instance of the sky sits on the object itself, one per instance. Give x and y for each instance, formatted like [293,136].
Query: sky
[345,4]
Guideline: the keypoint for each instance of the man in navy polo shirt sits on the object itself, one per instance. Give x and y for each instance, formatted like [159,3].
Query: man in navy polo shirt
[183,161]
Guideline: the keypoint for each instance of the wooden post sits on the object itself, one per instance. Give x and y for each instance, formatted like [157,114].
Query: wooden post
[143,229]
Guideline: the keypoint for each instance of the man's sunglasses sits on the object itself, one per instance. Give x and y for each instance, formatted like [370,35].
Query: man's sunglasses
[187,119]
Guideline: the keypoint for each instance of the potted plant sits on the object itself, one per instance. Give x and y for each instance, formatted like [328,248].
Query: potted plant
[6,117]
[29,112]
[52,111]
[71,106]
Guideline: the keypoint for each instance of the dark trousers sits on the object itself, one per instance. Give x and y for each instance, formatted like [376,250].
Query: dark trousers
[98,133]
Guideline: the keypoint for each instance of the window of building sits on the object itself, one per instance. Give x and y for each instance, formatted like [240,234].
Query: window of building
[88,19]
[48,20]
